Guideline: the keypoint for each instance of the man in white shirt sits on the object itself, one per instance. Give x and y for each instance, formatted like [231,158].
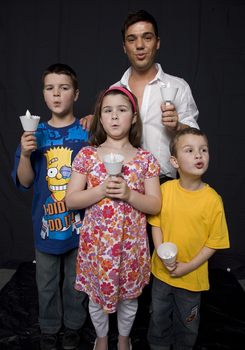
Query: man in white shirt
[144,78]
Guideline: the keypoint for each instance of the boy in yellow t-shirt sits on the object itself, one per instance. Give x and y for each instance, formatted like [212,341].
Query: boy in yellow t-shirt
[192,217]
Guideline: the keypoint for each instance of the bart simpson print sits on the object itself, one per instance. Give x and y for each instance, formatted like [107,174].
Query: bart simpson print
[58,221]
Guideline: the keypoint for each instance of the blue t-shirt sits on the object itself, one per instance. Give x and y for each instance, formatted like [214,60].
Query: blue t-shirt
[56,228]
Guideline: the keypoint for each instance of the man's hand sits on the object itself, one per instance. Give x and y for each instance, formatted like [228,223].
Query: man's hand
[170,118]
[86,122]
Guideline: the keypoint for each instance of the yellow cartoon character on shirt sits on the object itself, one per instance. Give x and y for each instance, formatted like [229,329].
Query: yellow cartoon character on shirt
[58,221]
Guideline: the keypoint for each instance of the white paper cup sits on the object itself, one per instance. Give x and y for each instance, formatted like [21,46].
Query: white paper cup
[168,93]
[167,251]
[115,167]
[30,124]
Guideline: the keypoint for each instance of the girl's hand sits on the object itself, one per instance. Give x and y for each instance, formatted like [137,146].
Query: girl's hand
[116,187]
[28,143]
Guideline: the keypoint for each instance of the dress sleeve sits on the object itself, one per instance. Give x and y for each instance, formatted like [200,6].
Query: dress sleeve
[81,161]
[153,167]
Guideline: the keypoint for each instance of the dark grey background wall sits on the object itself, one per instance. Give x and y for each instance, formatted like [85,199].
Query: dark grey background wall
[202,41]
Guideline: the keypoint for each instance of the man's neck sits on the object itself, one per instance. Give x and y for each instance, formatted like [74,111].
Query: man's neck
[144,76]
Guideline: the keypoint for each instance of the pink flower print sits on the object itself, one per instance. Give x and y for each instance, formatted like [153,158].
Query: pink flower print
[108,211]
[106,288]
[102,168]
[128,245]
[126,170]
[128,222]
[132,276]
[134,264]
[106,265]
[116,250]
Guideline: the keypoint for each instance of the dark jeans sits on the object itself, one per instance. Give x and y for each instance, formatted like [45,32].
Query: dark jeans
[59,302]
[174,317]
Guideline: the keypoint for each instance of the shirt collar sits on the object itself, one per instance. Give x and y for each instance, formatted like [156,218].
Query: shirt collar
[159,76]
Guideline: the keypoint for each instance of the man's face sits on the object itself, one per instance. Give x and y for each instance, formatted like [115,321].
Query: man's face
[140,45]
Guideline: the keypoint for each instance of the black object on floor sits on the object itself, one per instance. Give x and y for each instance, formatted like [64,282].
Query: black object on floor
[222,316]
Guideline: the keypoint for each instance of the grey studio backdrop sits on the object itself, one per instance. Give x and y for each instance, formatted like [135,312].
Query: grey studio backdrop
[202,41]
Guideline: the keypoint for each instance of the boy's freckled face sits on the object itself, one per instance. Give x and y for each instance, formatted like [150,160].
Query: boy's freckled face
[59,93]
[192,155]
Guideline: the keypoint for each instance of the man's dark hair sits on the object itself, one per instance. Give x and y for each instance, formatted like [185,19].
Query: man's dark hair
[138,16]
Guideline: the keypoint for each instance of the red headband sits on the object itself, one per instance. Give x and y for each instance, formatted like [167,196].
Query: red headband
[126,93]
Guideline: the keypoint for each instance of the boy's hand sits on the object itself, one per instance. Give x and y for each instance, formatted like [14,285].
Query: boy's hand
[118,188]
[170,267]
[180,270]
[28,143]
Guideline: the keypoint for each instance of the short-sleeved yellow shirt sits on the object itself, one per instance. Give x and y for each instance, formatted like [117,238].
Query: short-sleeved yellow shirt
[191,220]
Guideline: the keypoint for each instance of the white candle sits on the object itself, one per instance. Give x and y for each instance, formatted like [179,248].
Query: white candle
[28,114]
[112,158]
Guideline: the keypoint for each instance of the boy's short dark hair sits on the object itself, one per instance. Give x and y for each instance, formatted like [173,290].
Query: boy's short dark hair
[138,16]
[60,68]
[187,131]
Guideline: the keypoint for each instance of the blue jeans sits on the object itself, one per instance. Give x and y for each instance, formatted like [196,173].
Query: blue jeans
[174,317]
[59,301]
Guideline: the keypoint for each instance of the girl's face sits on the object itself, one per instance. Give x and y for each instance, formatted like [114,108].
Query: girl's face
[117,116]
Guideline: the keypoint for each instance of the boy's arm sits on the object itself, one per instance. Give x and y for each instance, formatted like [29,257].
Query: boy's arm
[25,172]
[185,268]
[157,240]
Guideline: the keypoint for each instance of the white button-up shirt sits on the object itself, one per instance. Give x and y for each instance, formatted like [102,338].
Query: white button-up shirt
[156,137]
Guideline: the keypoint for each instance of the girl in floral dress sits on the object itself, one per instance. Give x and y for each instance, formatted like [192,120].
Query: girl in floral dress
[113,264]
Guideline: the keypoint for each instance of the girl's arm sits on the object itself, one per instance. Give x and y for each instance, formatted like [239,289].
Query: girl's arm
[185,268]
[79,198]
[156,236]
[149,203]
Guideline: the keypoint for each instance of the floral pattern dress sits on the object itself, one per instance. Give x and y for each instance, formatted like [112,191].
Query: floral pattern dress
[113,259]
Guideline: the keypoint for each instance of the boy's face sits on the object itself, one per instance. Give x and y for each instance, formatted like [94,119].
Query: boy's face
[59,94]
[192,156]
[140,45]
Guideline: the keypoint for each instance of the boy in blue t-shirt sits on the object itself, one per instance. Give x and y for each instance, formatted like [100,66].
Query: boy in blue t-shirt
[44,158]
